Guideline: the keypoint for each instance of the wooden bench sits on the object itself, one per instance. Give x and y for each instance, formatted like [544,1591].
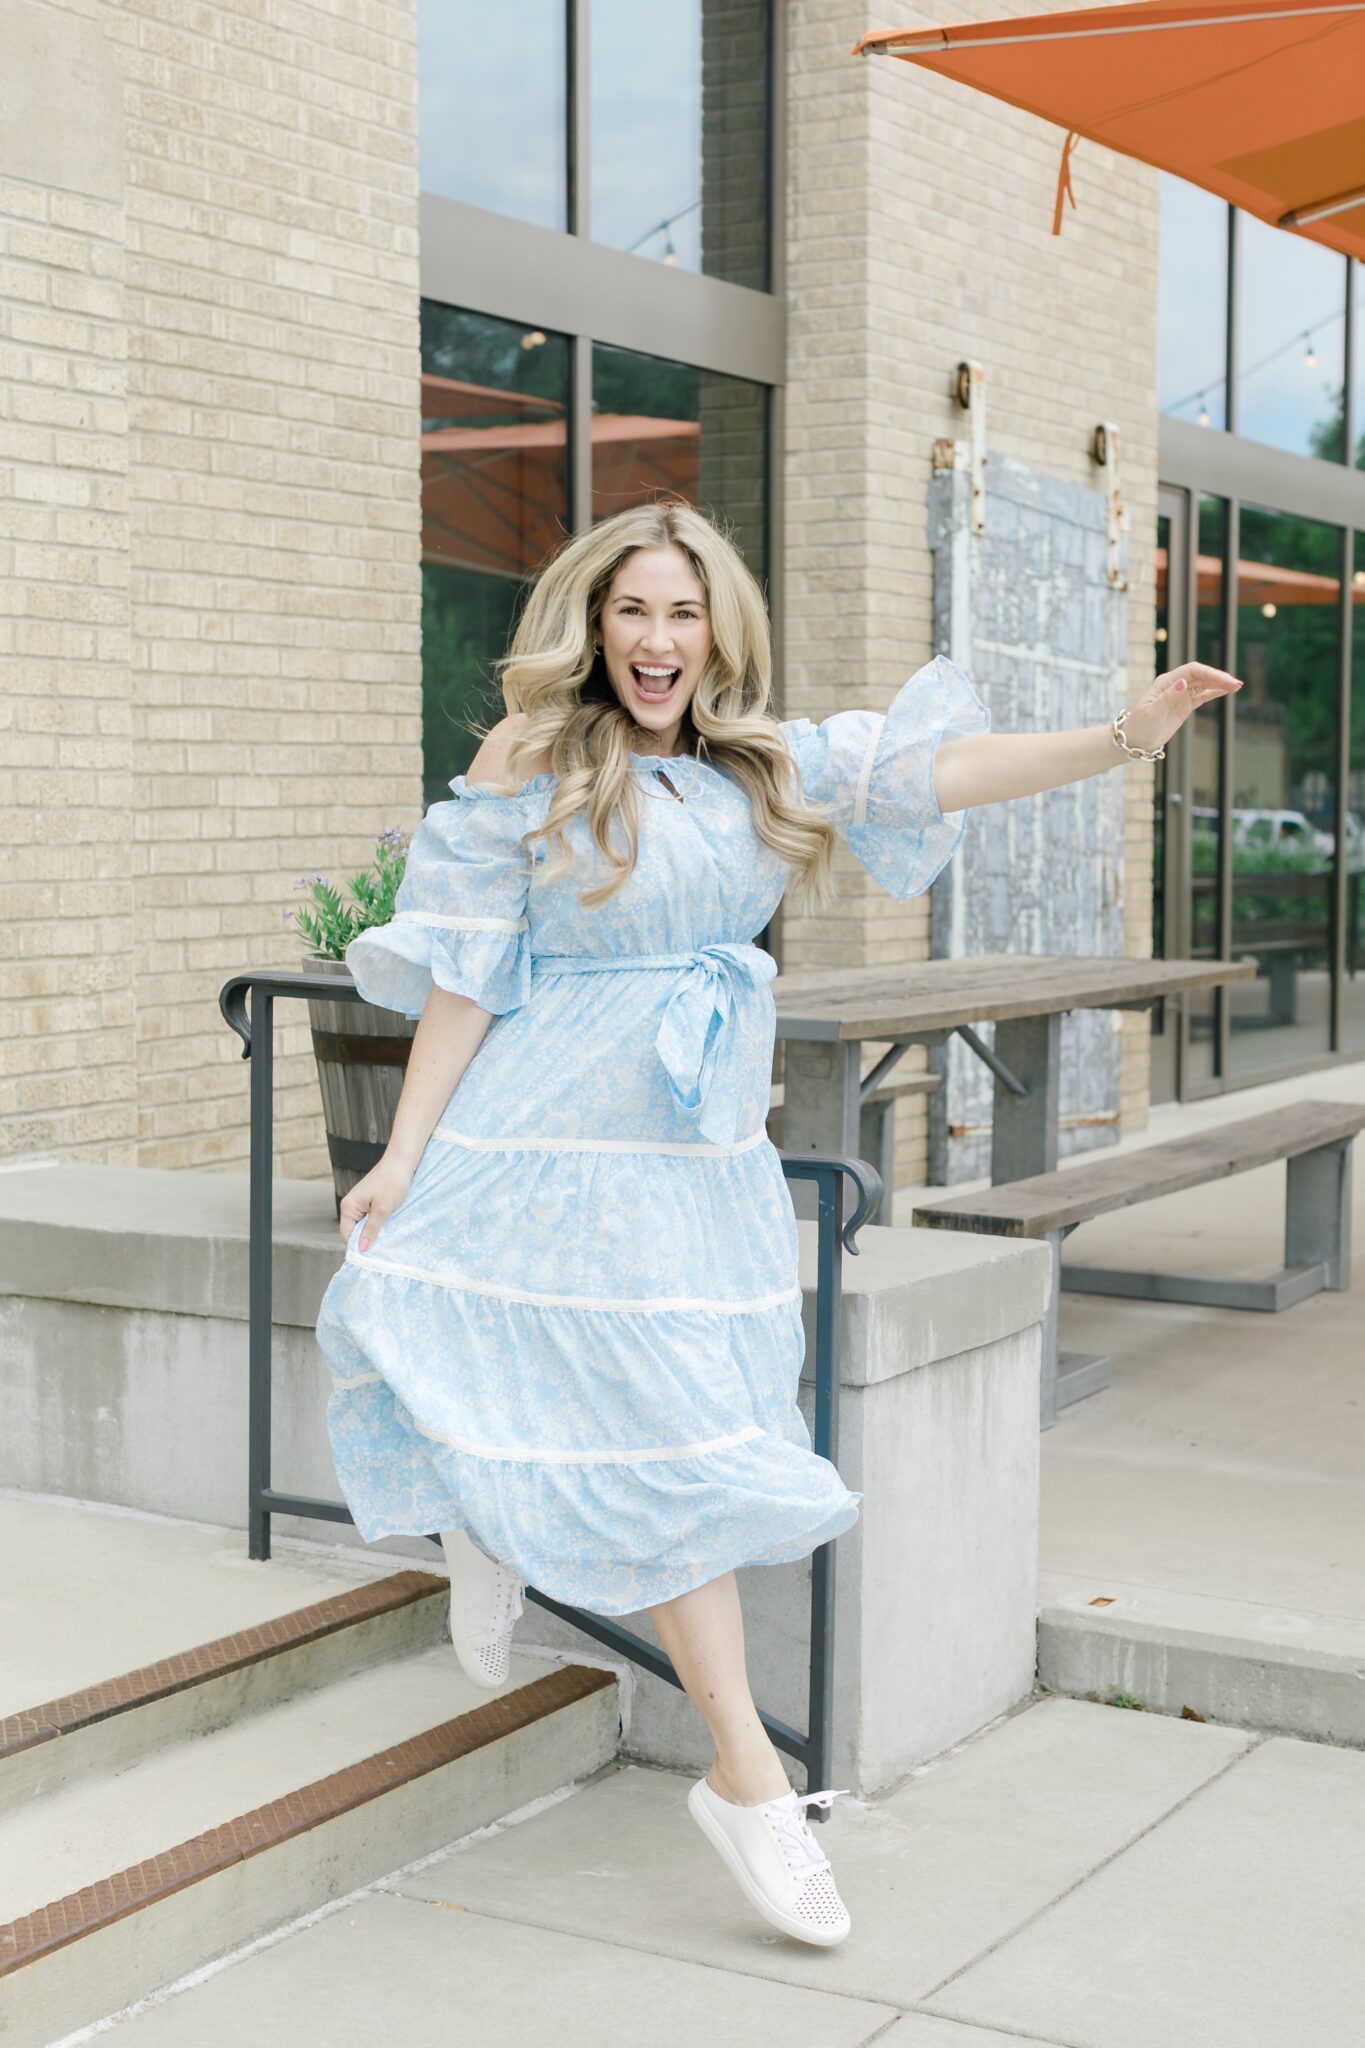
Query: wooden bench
[1314,1138]
[877,1126]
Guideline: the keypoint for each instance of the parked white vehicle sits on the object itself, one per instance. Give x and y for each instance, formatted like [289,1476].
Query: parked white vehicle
[1276,828]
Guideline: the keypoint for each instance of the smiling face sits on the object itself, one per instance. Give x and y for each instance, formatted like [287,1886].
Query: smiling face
[656,637]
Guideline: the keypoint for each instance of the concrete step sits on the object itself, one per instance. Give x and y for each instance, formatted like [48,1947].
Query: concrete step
[197,1815]
[1196,1657]
[109,1725]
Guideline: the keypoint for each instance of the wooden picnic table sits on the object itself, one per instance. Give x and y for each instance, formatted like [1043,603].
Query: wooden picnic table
[824,1015]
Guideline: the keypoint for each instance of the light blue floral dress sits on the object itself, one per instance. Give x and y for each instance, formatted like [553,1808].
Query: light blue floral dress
[579,1337]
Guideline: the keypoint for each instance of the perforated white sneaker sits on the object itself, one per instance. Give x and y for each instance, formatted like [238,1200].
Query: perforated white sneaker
[776,1860]
[485,1604]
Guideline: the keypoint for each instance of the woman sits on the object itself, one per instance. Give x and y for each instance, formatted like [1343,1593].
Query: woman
[567,1330]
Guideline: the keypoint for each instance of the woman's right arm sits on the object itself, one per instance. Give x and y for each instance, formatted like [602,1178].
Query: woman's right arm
[449,1033]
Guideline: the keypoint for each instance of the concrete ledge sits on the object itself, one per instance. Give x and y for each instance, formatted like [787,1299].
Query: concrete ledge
[176,1243]
[1242,1682]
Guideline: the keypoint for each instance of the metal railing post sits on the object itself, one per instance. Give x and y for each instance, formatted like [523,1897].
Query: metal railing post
[260,1256]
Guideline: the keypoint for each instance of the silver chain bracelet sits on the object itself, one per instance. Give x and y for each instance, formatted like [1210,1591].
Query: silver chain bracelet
[1133,753]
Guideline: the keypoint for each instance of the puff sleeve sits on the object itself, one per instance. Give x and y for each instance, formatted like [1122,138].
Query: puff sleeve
[459,919]
[872,774]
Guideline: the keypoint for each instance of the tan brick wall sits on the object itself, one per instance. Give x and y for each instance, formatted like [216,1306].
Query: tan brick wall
[919,233]
[67,1056]
[209,518]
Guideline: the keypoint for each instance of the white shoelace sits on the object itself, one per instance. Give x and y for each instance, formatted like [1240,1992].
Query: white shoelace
[804,1854]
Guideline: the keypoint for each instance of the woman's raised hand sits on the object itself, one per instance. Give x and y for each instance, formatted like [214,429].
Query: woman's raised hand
[1171,699]
[376,1197]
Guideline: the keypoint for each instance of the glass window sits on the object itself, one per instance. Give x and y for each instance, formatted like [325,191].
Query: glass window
[495,504]
[1358,280]
[1292,336]
[1285,753]
[1192,304]
[493,105]
[680,134]
[1206,790]
[665,430]
[1353,992]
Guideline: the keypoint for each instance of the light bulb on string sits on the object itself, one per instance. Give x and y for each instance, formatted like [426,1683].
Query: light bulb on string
[1310,358]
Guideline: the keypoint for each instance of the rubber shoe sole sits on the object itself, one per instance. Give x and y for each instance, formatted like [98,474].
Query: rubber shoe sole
[800,1930]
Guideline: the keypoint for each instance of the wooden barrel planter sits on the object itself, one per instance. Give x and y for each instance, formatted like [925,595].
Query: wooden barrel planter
[362,1057]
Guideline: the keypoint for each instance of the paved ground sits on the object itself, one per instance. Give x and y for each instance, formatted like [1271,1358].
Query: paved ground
[1077,1874]
[1216,1484]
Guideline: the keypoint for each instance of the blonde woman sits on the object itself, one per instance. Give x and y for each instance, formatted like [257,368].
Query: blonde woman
[567,1330]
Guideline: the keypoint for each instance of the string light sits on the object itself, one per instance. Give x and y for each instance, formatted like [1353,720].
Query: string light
[1268,611]
[1310,360]
[1203,412]
[535,339]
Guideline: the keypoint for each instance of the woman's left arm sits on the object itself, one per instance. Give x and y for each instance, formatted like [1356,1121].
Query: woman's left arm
[991,767]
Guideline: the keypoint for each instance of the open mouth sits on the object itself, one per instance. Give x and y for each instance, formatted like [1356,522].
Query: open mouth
[653,681]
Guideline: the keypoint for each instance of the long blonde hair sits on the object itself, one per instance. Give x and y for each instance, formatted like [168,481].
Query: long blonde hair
[575,721]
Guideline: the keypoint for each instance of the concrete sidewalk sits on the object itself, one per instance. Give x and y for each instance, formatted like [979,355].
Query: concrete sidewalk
[1079,1876]
[1211,1498]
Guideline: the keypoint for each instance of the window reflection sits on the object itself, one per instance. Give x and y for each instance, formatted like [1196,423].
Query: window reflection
[666,430]
[493,105]
[680,134]
[1291,380]
[494,506]
[1206,790]
[1353,989]
[1358,277]
[1192,304]
[1283,824]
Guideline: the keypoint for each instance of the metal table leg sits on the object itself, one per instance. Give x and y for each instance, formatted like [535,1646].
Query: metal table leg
[1024,1136]
[821,1109]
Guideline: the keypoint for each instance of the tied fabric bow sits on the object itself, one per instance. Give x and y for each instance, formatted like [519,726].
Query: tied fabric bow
[700,1039]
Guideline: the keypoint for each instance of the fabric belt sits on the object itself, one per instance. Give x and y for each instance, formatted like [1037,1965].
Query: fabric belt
[699,1040]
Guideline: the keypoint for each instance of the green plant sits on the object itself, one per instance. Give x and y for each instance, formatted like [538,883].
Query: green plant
[1119,1698]
[328,928]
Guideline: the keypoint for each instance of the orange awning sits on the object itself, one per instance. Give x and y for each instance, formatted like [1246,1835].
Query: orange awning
[1260,583]
[1260,101]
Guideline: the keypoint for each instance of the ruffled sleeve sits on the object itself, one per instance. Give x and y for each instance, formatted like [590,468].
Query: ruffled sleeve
[459,919]
[872,775]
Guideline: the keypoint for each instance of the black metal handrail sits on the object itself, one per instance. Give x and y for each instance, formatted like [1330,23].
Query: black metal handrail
[254,1022]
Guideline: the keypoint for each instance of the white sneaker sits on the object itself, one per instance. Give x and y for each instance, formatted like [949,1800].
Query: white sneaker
[485,1603]
[780,1866]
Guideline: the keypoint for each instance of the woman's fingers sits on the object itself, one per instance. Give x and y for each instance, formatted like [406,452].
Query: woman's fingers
[378,1216]
[353,1206]
[1205,683]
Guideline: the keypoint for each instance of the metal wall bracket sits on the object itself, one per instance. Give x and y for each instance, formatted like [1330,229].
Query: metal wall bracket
[969,389]
[1105,447]
[971,394]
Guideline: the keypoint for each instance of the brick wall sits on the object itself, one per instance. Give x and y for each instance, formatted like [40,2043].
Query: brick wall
[67,1041]
[919,233]
[227,654]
